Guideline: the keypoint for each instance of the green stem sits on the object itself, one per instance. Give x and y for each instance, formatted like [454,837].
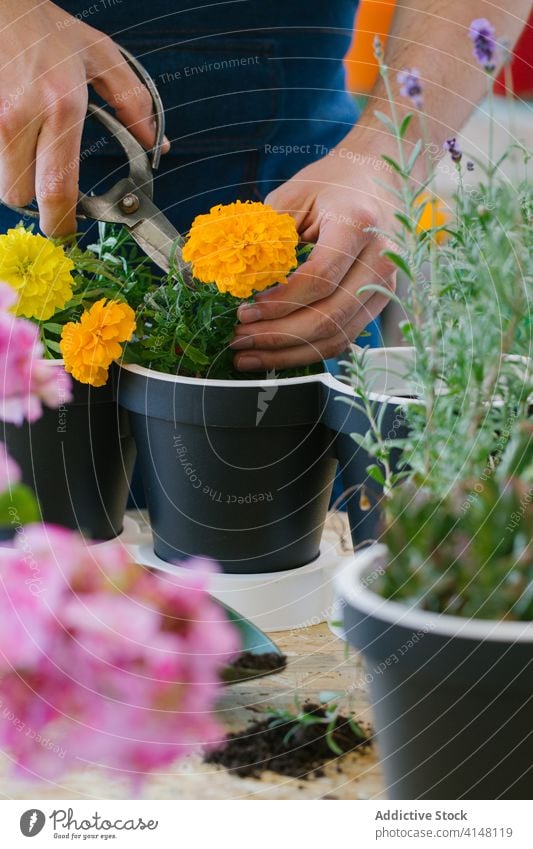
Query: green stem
[491,134]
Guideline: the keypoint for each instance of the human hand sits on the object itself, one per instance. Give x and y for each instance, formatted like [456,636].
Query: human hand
[336,202]
[47,59]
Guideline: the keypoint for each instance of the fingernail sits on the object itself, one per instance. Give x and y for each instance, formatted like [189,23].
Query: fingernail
[241,342]
[247,363]
[247,314]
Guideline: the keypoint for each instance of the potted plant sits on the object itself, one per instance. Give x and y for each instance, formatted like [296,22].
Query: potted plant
[78,455]
[460,265]
[441,612]
[234,466]
[443,616]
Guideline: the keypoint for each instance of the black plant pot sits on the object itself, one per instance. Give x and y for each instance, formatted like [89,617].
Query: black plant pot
[78,459]
[452,697]
[391,394]
[240,471]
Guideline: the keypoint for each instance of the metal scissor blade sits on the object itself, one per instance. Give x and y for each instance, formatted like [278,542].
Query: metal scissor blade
[162,243]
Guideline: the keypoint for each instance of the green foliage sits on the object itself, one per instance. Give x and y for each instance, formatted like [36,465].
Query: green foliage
[458,526]
[185,331]
[182,330]
[469,552]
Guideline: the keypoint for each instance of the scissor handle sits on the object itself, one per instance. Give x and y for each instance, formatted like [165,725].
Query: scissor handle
[141,163]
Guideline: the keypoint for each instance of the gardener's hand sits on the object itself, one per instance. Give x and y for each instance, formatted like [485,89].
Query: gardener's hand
[47,58]
[336,202]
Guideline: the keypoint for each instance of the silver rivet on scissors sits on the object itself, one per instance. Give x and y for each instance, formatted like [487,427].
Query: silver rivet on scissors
[129,203]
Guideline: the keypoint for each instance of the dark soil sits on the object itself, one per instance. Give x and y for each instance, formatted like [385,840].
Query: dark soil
[269,661]
[248,664]
[263,746]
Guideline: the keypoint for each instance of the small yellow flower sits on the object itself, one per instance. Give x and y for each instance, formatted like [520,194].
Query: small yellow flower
[90,345]
[433,215]
[242,247]
[38,270]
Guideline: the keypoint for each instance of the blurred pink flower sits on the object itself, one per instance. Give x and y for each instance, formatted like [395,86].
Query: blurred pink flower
[9,470]
[26,381]
[103,661]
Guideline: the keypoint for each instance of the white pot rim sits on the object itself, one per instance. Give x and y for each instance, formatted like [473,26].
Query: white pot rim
[325,378]
[209,381]
[350,587]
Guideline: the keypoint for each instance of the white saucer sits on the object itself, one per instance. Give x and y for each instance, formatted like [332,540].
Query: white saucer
[275,601]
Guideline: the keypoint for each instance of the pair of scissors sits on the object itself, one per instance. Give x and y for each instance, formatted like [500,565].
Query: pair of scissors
[130,201]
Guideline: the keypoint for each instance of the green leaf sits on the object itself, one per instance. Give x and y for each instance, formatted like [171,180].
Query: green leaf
[399,262]
[333,745]
[405,124]
[361,440]
[356,728]
[405,221]
[414,156]
[53,346]
[376,474]
[193,353]
[54,328]
[389,123]
[394,165]
[380,290]
[18,507]
[389,188]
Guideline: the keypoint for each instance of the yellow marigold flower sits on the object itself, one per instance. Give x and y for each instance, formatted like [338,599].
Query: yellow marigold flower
[90,345]
[38,270]
[433,215]
[242,247]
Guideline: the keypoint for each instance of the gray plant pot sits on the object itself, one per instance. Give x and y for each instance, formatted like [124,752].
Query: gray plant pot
[392,392]
[452,697]
[239,471]
[78,459]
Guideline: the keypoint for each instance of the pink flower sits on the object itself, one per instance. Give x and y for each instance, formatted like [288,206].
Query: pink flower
[26,381]
[107,663]
[9,470]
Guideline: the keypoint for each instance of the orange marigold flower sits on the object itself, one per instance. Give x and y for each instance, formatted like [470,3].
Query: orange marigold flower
[90,345]
[242,247]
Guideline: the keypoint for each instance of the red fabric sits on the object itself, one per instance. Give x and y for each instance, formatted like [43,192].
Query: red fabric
[521,65]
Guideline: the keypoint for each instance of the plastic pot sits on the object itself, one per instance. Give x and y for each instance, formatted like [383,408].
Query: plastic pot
[391,390]
[78,459]
[240,471]
[452,697]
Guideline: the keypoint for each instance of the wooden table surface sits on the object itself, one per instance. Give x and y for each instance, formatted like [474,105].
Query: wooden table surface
[317,661]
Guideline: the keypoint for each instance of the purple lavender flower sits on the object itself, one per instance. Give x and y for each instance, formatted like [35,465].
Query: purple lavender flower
[482,34]
[453,149]
[410,86]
